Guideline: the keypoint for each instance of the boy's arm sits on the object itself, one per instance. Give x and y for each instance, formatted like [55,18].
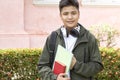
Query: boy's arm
[44,69]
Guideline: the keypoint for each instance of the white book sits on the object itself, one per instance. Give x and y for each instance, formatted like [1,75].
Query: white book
[63,56]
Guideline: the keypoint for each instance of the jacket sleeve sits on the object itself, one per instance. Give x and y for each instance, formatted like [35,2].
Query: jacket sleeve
[44,69]
[93,66]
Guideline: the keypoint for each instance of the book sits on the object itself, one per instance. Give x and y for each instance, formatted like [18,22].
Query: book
[59,68]
[63,56]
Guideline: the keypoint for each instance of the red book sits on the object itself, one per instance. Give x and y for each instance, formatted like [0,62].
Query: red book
[59,68]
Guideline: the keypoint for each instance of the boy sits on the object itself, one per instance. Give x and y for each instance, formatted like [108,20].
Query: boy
[86,61]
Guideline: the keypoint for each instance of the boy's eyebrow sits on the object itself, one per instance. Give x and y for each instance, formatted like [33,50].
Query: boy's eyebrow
[70,11]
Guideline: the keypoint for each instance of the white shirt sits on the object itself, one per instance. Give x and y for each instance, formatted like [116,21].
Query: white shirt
[70,42]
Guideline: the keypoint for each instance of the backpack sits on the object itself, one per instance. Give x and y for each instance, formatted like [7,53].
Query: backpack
[52,43]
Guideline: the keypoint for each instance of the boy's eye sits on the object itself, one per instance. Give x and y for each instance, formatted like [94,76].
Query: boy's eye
[65,13]
[73,13]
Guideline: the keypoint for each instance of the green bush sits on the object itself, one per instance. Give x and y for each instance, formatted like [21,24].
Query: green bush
[21,64]
[111,62]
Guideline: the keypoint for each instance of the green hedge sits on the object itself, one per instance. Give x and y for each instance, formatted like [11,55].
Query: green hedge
[111,62]
[21,64]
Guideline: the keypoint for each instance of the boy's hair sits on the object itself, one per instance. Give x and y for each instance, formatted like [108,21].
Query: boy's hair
[64,3]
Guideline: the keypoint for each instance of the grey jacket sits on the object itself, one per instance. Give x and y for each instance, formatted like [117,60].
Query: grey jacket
[86,52]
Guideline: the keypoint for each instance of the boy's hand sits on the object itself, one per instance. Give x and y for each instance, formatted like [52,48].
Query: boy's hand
[73,62]
[62,76]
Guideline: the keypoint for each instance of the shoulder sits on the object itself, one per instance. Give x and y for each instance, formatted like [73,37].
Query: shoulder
[88,34]
[54,33]
[91,35]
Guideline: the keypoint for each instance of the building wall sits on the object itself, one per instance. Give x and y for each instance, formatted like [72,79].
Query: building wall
[12,34]
[25,25]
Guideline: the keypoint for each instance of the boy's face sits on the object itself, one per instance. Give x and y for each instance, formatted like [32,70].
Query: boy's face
[69,16]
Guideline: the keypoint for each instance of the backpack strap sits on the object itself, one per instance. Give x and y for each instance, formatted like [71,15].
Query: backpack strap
[52,43]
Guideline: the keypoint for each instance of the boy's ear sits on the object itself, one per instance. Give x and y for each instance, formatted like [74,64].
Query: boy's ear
[79,13]
[60,15]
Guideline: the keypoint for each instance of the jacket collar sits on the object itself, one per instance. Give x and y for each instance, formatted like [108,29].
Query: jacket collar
[82,36]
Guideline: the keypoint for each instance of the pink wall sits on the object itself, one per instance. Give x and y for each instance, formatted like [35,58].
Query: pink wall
[24,25]
[12,34]
[100,15]
[11,15]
